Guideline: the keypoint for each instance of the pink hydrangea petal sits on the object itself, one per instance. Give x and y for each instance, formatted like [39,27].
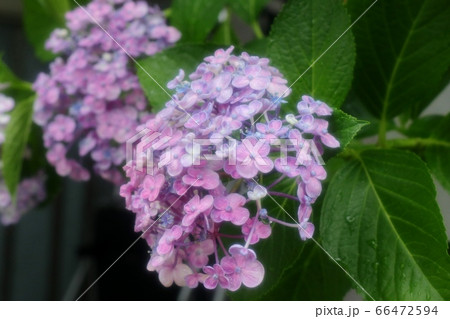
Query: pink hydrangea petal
[225,95]
[236,199]
[228,264]
[240,81]
[266,166]
[330,141]
[246,170]
[237,249]
[234,282]
[252,274]
[211,180]
[306,230]
[180,273]
[206,203]
[304,212]
[192,281]
[313,187]
[263,230]
[165,276]
[240,216]
[188,220]
[275,125]
[211,282]
[221,203]
[259,83]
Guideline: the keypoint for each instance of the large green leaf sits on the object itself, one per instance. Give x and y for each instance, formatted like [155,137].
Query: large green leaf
[308,46]
[257,47]
[164,66]
[403,52]
[313,277]
[437,154]
[13,86]
[41,17]
[380,220]
[295,270]
[16,137]
[423,126]
[195,18]
[248,9]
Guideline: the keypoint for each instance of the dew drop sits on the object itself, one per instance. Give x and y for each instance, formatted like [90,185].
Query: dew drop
[373,243]
[350,219]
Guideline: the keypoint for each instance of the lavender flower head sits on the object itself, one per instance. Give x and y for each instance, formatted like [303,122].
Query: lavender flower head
[91,101]
[30,191]
[200,163]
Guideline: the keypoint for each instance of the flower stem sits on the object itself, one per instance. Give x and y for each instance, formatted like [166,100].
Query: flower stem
[416,142]
[282,222]
[227,28]
[236,186]
[222,246]
[216,254]
[230,236]
[284,195]
[382,130]
[250,235]
[279,179]
[257,29]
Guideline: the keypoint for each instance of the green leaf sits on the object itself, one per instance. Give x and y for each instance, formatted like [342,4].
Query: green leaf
[301,36]
[41,17]
[380,220]
[294,269]
[16,137]
[257,47]
[6,75]
[164,66]
[403,52]
[423,126]
[313,277]
[344,127]
[13,85]
[248,10]
[438,155]
[195,18]
[354,106]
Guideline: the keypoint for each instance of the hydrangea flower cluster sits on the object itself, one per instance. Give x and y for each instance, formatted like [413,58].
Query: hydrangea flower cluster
[198,167]
[30,192]
[91,101]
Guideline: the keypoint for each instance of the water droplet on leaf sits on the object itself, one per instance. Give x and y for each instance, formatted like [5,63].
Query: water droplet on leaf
[350,219]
